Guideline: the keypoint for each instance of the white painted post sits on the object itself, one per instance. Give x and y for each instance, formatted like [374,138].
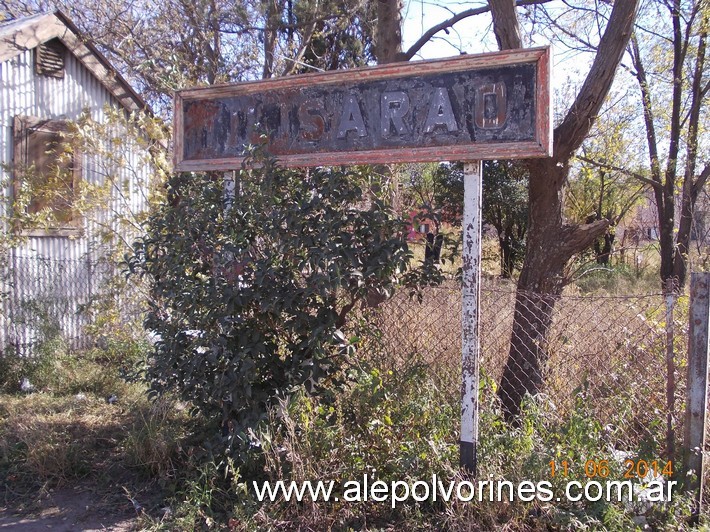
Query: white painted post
[696,405]
[471,292]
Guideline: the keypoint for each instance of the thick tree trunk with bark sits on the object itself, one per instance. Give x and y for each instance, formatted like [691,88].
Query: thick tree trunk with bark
[550,245]
[388,47]
[550,242]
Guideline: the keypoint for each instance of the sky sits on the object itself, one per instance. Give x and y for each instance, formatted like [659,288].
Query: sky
[466,35]
[475,35]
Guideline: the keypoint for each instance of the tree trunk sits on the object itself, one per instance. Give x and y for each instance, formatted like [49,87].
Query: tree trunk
[271,34]
[691,189]
[666,237]
[507,259]
[539,286]
[523,373]
[691,185]
[603,247]
[550,245]
[550,242]
[389,31]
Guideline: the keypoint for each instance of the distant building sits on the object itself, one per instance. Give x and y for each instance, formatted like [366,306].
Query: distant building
[640,226]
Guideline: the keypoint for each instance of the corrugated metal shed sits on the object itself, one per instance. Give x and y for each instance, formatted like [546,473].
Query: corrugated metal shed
[88,83]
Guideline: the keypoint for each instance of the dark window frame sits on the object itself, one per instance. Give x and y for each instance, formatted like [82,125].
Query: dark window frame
[23,127]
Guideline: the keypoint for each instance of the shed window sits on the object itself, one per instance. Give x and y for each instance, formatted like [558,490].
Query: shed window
[47,172]
[49,59]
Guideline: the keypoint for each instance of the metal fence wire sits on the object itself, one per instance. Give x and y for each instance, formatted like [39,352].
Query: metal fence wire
[622,356]
[610,352]
[43,298]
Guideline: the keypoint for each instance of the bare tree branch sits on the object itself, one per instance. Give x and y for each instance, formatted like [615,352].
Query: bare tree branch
[627,206]
[576,125]
[306,41]
[585,44]
[607,166]
[648,116]
[578,237]
[427,35]
[702,179]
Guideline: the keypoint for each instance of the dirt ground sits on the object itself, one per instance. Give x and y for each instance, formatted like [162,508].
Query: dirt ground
[72,509]
[63,464]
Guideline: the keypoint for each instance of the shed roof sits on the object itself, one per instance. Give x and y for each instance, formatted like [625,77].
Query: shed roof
[23,34]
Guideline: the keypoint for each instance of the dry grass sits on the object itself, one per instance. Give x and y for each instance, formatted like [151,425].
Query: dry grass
[68,434]
[153,443]
[613,347]
[58,439]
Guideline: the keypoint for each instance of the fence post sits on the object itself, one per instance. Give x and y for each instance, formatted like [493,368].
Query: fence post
[696,405]
[471,292]
[671,297]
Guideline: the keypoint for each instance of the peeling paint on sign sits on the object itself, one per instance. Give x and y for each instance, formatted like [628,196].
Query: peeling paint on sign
[430,110]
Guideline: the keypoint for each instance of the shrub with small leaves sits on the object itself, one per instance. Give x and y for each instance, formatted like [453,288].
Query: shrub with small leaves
[251,290]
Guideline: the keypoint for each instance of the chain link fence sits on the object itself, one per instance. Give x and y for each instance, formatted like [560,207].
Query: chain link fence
[43,298]
[614,350]
[622,356]
[610,351]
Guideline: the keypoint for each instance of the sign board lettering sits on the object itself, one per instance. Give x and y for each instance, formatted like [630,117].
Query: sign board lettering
[469,107]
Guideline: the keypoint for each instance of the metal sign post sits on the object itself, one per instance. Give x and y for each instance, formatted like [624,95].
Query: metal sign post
[697,375]
[470,317]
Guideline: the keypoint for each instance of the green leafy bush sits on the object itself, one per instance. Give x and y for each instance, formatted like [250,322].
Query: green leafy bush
[251,293]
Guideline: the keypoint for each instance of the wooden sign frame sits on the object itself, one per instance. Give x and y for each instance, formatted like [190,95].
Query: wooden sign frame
[208,107]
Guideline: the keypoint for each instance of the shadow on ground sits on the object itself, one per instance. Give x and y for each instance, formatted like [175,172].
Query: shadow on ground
[74,509]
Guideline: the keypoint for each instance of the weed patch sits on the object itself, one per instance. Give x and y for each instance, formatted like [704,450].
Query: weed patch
[83,424]
[153,442]
[402,427]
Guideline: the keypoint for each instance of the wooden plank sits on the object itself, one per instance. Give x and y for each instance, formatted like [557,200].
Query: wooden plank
[468,107]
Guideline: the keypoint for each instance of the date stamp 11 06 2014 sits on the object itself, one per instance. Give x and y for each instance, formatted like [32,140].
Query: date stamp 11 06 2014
[632,469]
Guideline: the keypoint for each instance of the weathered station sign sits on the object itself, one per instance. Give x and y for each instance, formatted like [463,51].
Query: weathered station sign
[468,108]
[484,106]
